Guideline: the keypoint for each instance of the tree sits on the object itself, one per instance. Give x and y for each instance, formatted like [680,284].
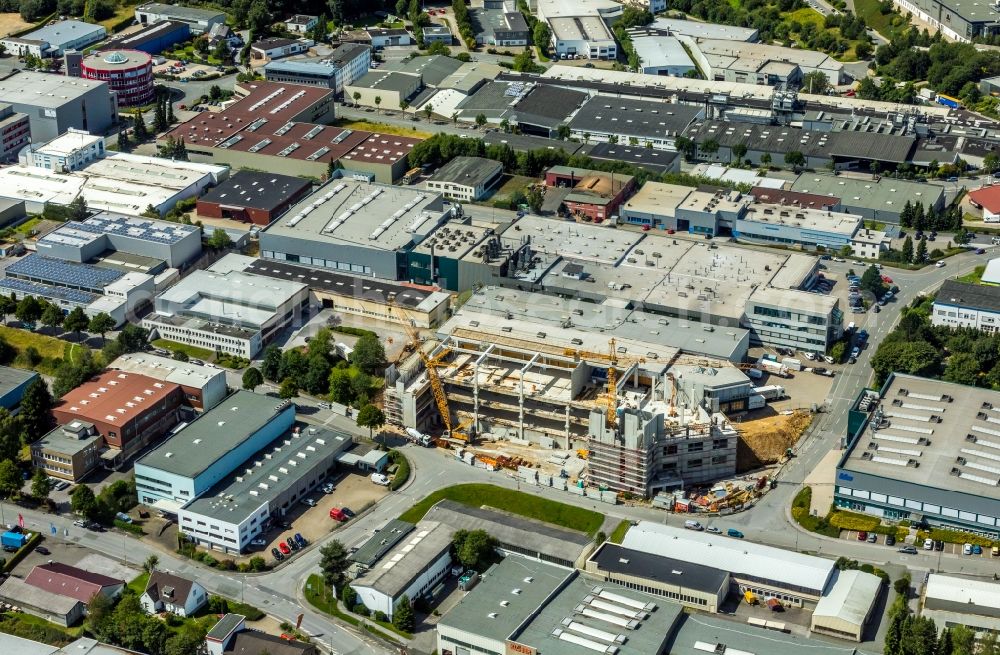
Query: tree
[7,306]
[907,249]
[28,310]
[563,132]
[765,159]
[378,101]
[124,145]
[739,151]
[913,357]
[259,19]
[475,549]
[428,110]
[962,368]
[76,321]
[83,502]
[183,643]
[271,366]
[101,324]
[139,131]
[317,376]
[252,378]
[357,96]
[160,111]
[402,615]
[341,390]
[181,356]
[36,411]
[369,354]
[333,563]
[10,479]
[219,240]
[541,35]
[815,82]
[962,641]
[921,255]
[99,614]
[40,485]
[403,105]
[133,338]
[150,564]
[289,388]
[795,159]
[480,119]
[991,163]
[370,417]
[871,281]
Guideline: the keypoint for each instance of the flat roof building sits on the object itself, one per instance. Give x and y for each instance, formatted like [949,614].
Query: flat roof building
[262,488]
[204,387]
[845,608]
[209,448]
[700,30]
[253,197]
[231,311]
[654,204]
[661,53]
[13,383]
[766,571]
[657,162]
[55,103]
[198,20]
[923,450]
[412,568]
[465,178]
[759,63]
[55,38]
[689,584]
[952,600]
[152,38]
[355,227]
[963,304]
[880,199]
[645,123]
[797,225]
[69,452]
[525,606]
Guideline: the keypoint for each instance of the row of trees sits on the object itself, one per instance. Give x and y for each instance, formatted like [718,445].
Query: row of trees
[915,215]
[119,496]
[464,23]
[916,635]
[32,422]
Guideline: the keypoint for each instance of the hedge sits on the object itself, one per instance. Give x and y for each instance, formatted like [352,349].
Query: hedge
[129,527]
[402,470]
[956,537]
[22,552]
[357,332]
[852,521]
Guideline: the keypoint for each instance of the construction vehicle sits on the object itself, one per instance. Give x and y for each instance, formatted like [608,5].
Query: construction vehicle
[583,453]
[431,364]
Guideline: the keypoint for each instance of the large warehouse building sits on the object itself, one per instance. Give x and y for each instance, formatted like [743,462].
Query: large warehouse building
[55,103]
[926,451]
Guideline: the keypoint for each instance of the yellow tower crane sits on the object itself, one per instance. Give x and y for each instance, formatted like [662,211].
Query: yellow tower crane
[431,365]
[611,394]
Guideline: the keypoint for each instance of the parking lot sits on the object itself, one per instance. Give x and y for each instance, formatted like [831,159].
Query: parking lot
[949,549]
[352,490]
[187,72]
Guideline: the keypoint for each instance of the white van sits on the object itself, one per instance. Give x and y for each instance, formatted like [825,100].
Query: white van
[693,525]
[851,326]
[378,478]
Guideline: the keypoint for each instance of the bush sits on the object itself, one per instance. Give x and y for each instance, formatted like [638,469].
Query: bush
[852,521]
[803,499]
[902,585]
[251,612]
[129,527]
[402,469]
[361,610]
[257,564]
[381,616]
[353,331]
[956,537]
[208,560]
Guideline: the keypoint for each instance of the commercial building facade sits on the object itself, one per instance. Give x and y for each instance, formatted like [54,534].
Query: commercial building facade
[198,20]
[70,452]
[15,132]
[153,38]
[55,38]
[253,197]
[204,387]
[466,178]
[794,319]
[54,103]
[965,305]
[129,73]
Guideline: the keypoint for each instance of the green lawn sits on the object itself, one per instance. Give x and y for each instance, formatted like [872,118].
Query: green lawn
[619,534]
[515,502]
[26,227]
[138,585]
[319,596]
[874,18]
[806,15]
[192,351]
[975,277]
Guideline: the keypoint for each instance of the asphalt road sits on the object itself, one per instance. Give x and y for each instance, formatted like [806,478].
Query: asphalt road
[279,592]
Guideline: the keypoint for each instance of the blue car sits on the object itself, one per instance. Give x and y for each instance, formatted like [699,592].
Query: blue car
[300,540]
[733,532]
[977,549]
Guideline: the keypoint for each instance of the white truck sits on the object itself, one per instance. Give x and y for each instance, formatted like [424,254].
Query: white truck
[756,401]
[773,367]
[770,392]
[418,437]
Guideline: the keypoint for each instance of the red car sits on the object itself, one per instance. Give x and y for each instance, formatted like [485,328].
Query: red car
[645,228]
[670,231]
[887,279]
[337,514]
[283,547]
[862,536]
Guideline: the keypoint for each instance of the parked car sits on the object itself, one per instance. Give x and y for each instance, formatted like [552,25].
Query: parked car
[967,549]
[939,264]
[862,536]
[713,530]
[300,540]
[292,544]
[977,549]
[890,540]
[980,251]
[733,532]
[95,526]
[928,544]
[938,545]
[995,551]
[810,356]
[259,543]
[908,550]
[42,550]
[337,514]
[283,547]
[872,537]
[277,554]
[123,517]
[828,359]
[328,488]
[80,523]
[347,511]
[309,501]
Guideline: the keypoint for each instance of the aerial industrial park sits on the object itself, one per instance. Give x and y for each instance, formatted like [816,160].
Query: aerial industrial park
[500,328]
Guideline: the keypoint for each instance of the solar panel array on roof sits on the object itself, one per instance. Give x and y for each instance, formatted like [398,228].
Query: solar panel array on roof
[23,288]
[137,228]
[63,273]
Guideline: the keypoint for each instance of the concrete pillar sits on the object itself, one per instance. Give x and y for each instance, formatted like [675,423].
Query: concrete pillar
[568,436]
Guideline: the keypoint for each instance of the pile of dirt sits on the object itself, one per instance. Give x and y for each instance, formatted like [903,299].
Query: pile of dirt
[764,440]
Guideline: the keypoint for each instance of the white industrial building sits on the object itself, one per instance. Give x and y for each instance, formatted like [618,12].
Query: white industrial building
[870,244]
[961,304]
[950,601]
[231,311]
[117,182]
[412,568]
[759,63]
[793,318]
[578,27]
[55,39]
[846,606]
[199,20]
[700,30]
[767,572]
[660,54]
[70,151]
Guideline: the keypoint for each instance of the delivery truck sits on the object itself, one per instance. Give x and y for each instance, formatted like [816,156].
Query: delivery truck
[773,367]
[770,392]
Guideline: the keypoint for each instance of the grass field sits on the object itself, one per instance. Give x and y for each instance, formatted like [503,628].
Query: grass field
[121,13]
[48,347]
[383,128]
[874,18]
[138,585]
[975,277]
[619,533]
[515,502]
[806,15]
[192,351]
[318,594]
[10,23]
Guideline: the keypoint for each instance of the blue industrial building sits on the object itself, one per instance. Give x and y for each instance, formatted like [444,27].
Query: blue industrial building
[13,383]
[199,455]
[153,39]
